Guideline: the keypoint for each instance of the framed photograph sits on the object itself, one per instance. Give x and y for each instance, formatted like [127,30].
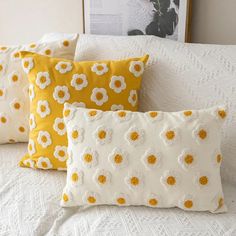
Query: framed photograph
[163,18]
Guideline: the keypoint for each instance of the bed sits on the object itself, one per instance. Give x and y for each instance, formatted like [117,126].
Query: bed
[29,203]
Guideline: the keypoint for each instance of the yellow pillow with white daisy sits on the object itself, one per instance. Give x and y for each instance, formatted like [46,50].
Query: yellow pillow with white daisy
[103,85]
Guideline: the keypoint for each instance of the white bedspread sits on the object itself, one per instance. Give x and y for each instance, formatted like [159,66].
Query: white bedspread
[29,205]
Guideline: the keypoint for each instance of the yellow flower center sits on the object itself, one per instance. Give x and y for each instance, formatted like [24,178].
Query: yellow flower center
[203,180]
[153,114]
[21,129]
[12,141]
[102,179]
[3,48]
[122,114]
[44,139]
[43,108]
[43,79]
[171,180]
[74,177]
[118,158]
[1,93]
[188,204]
[137,67]
[188,159]
[93,113]
[99,67]
[17,106]
[91,199]
[61,126]
[134,181]
[134,97]
[153,202]
[61,94]
[222,113]
[99,96]
[102,134]
[14,78]
[134,136]
[202,134]
[117,83]
[65,197]
[220,202]
[218,158]
[66,43]
[63,66]
[79,81]
[121,200]
[67,113]
[1,67]
[16,55]
[170,134]
[75,134]
[48,52]
[44,164]
[61,153]
[26,64]
[188,113]
[151,159]
[3,119]
[33,45]
[88,157]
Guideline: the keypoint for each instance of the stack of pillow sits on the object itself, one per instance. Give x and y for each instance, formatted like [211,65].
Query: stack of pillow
[82,117]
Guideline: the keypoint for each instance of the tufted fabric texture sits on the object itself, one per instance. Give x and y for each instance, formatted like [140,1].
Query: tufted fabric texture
[178,77]
[29,205]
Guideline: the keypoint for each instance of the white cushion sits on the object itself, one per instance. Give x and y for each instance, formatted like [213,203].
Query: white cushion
[178,76]
[157,159]
[14,98]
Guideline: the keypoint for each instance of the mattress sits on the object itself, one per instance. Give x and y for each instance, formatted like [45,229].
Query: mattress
[29,205]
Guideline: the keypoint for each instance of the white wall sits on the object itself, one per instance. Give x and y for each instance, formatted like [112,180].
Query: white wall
[214,21]
[25,21]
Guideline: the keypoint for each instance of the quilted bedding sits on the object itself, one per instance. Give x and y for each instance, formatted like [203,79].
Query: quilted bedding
[29,205]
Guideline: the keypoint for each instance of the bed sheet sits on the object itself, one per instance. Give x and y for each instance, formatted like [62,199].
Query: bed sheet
[29,205]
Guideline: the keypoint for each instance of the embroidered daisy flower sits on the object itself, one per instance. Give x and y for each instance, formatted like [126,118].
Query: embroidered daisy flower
[92,115]
[61,94]
[66,198]
[3,119]
[15,56]
[16,105]
[99,96]
[60,153]
[188,115]
[22,129]
[133,98]
[44,139]
[151,159]
[43,108]
[68,113]
[79,104]
[220,113]
[135,136]
[99,68]
[121,199]
[102,177]
[200,133]
[202,180]
[2,93]
[117,84]
[48,52]
[14,78]
[3,49]
[29,163]
[63,67]
[31,92]
[91,198]
[103,135]
[32,122]
[121,115]
[169,135]
[76,135]
[170,179]
[76,177]
[59,126]
[154,116]
[27,64]
[89,157]
[31,147]
[79,81]
[217,158]
[134,180]
[187,202]
[2,67]
[116,107]
[44,163]
[187,159]
[137,68]
[118,158]
[153,200]
[43,79]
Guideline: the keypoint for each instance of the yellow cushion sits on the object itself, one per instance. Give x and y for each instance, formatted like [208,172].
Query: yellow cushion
[104,85]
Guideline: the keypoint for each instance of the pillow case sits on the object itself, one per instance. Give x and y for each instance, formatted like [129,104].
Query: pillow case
[178,76]
[14,100]
[157,159]
[103,85]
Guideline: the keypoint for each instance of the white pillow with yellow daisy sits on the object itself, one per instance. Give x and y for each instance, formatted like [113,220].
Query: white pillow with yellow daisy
[14,98]
[156,159]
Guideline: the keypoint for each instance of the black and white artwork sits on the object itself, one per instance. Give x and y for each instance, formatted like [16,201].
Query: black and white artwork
[162,18]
